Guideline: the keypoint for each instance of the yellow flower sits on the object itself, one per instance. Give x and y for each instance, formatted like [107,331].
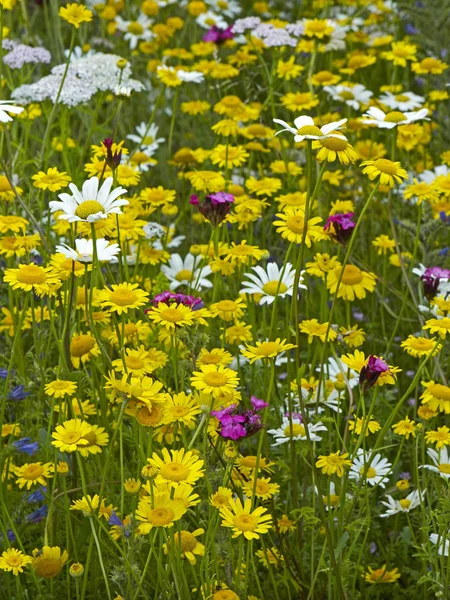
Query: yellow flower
[83,347]
[429,65]
[334,463]
[226,127]
[14,560]
[368,424]
[388,171]
[243,521]
[132,486]
[288,69]
[123,297]
[136,362]
[53,180]
[405,427]
[321,265]
[264,489]
[238,333]
[31,474]
[436,396]
[419,346]
[76,569]
[298,101]
[381,575]
[266,186]
[354,283]
[49,561]
[41,280]
[439,326]
[71,435]
[221,498]
[314,329]
[335,147]
[216,356]
[180,408]
[171,316]
[89,505]
[285,524]
[228,310]
[422,191]
[215,380]
[268,349]
[440,437]
[187,544]
[291,226]
[178,468]
[229,156]
[60,388]
[95,438]
[159,510]
[400,53]
[318,28]
[383,243]
[75,14]
[195,107]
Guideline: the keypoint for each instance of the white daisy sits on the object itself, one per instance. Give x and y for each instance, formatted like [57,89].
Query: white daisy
[305,129]
[230,8]
[84,250]
[332,499]
[210,18]
[403,102]
[184,272]
[5,108]
[297,432]
[147,138]
[326,398]
[353,96]
[442,543]
[190,76]
[391,119]
[90,204]
[405,505]
[339,373]
[269,282]
[374,472]
[136,31]
[430,175]
[441,461]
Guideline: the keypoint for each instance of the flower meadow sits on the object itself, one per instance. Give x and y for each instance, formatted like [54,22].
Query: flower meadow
[225,300]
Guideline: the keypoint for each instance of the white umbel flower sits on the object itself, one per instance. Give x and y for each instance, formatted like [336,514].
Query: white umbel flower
[305,129]
[403,102]
[353,96]
[269,282]
[375,116]
[5,108]
[297,432]
[84,250]
[90,204]
[375,473]
[405,505]
[181,271]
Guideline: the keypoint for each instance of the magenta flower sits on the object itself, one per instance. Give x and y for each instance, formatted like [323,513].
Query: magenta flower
[217,35]
[371,371]
[215,207]
[341,226]
[112,159]
[236,423]
[171,298]
[431,279]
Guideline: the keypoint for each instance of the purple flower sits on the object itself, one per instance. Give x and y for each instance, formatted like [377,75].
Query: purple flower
[215,207]
[341,226]
[26,445]
[257,403]
[114,519]
[233,431]
[112,158]
[218,36]
[171,297]
[371,371]
[38,515]
[18,393]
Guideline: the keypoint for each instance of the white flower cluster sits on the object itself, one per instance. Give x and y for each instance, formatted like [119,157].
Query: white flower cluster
[21,54]
[85,77]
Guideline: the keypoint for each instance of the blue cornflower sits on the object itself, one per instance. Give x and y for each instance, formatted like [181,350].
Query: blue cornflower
[18,393]
[26,445]
[37,495]
[37,515]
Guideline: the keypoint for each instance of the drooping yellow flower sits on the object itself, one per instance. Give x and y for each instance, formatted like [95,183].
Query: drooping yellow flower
[49,561]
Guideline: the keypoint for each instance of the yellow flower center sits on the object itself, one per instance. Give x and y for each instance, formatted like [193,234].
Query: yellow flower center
[186,540]
[71,437]
[405,503]
[135,28]
[245,522]
[444,468]
[231,101]
[149,417]
[267,348]
[130,329]
[134,362]
[47,567]
[221,500]
[139,158]
[331,500]
[87,208]
[296,223]
[294,430]
[184,275]
[123,297]
[180,411]
[161,516]
[211,359]
[227,305]
[60,385]
[337,144]
[318,26]
[385,166]
[368,472]
[274,287]
[172,314]
[430,63]
[31,274]
[401,98]
[147,140]
[334,461]
[421,344]
[81,345]
[215,379]
[32,472]
[352,275]
[309,130]
[257,130]
[395,116]
[14,560]
[347,95]
[174,472]
[439,391]
[70,264]
[262,487]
